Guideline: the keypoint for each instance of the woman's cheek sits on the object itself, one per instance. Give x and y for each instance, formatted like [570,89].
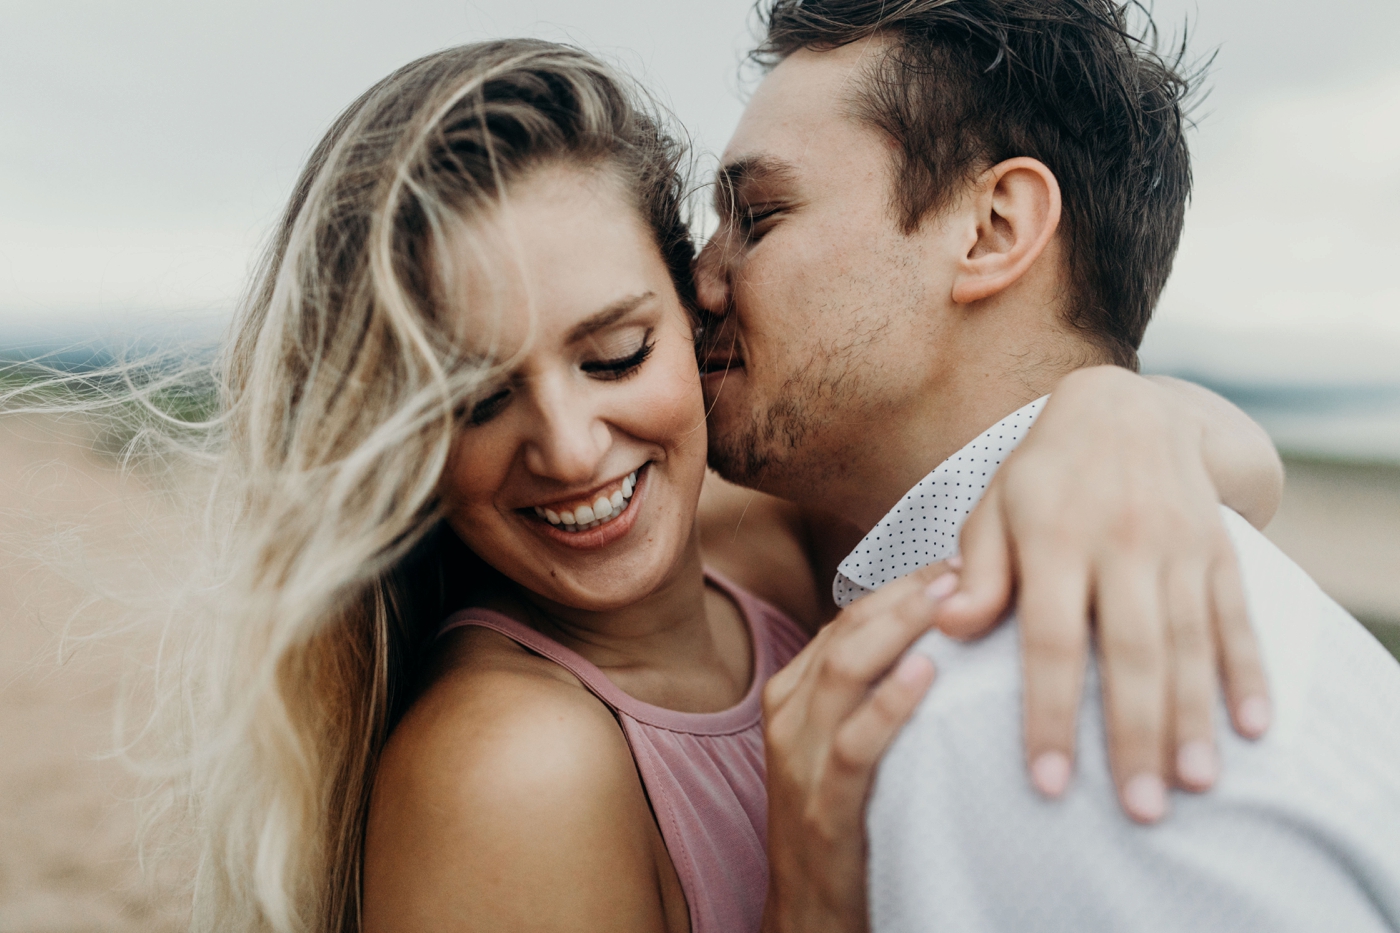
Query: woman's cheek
[469,485]
[673,402]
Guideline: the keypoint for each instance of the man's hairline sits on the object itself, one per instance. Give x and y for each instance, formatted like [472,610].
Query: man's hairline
[857,106]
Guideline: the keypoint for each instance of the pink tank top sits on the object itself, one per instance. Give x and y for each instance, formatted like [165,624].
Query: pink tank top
[703,772]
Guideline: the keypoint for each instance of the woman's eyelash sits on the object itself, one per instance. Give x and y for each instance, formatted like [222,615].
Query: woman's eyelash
[619,368]
[486,409]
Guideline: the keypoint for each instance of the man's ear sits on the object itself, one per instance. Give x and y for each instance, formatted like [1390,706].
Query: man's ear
[1017,204]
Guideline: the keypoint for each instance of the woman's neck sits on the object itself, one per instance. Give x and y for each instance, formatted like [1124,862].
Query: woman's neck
[683,646]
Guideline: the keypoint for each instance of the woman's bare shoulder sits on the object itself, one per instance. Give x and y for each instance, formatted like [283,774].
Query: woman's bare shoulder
[507,798]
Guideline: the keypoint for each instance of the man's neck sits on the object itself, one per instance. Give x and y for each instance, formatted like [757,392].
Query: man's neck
[947,417]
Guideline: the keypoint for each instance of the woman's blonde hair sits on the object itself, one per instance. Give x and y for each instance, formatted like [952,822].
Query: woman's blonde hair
[338,389]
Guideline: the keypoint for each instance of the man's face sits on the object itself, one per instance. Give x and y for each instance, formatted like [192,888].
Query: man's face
[827,313]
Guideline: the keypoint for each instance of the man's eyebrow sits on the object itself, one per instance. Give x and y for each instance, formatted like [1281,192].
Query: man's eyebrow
[609,316]
[750,170]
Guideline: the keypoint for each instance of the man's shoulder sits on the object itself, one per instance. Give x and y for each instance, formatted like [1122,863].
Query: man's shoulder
[1297,835]
[1327,674]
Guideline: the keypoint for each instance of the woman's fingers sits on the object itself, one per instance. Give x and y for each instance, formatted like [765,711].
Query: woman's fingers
[871,637]
[829,715]
[781,685]
[984,594]
[1197,763]
[863,737]
[1246,687]
[1054,646]
[1135,687]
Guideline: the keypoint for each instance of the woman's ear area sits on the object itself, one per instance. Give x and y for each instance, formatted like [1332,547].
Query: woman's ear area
[1016,207]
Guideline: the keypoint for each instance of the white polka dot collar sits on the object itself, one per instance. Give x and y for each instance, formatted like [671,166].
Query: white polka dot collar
[923,526]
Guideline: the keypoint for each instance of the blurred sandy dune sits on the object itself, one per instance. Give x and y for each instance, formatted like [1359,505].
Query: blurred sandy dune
[1341,522]
[67,857]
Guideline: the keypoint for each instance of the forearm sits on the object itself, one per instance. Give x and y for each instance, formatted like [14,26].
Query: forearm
[1241,458]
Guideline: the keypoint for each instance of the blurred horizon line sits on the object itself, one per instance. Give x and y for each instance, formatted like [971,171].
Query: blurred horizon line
[1353,420]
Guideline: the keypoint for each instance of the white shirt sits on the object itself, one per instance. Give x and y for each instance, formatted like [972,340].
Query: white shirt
[1302,832]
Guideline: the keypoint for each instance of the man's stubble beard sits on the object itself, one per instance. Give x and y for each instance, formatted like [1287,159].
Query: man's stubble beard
[771,449]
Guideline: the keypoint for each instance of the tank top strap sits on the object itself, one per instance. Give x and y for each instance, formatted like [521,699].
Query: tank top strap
[586,671]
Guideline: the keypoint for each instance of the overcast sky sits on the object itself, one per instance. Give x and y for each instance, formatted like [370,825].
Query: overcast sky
[146,147]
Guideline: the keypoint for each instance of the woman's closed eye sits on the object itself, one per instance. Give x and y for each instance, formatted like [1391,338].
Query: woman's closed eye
[620,367]
[608,369]
[488,408]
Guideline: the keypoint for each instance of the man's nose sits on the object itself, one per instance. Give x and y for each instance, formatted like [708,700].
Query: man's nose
[571,436]
[712,278]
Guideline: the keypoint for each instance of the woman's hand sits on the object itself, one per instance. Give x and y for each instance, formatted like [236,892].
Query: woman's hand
[1108,511]
[828,718]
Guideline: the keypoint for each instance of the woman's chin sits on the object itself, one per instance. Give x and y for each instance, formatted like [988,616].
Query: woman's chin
[604,589]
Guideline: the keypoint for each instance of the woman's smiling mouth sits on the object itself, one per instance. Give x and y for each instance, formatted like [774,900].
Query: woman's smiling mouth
[588,512]
[595,520]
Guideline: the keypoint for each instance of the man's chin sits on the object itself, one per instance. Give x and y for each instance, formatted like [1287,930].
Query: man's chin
[737,451]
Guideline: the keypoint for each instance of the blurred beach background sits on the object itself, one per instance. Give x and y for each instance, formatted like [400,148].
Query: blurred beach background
[147,147]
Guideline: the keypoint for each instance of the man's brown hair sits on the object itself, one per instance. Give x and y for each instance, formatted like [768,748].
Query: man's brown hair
[1076,84]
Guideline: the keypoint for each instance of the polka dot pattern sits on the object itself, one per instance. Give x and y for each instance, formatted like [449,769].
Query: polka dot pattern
[923,527]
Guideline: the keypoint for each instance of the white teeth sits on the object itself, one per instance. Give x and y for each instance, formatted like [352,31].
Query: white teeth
[604,509]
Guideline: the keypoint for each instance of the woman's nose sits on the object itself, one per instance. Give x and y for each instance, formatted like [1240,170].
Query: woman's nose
[571,438]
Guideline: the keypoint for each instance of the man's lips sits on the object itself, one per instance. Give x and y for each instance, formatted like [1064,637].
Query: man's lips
[717,345]
[713,365]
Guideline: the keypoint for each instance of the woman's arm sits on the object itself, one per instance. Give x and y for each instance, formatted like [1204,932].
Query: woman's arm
[1108,512]
[1239,455]
[512,803]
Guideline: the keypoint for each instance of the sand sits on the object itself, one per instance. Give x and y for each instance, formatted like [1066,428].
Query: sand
[67,858]
[1341,523]
[67,855]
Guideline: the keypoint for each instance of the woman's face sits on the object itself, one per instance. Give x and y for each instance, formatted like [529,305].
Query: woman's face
[578,472]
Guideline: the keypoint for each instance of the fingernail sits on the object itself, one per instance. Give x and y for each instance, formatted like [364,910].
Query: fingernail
[1255,716]
[1197,764]
[1145,798]
[954,562]
[942,588]
[1050,773]
[913,670]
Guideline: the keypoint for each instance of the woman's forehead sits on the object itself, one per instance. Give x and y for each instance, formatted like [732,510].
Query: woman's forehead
[564,250]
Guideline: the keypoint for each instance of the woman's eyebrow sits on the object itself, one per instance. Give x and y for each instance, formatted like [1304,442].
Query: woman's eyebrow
[608,316]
